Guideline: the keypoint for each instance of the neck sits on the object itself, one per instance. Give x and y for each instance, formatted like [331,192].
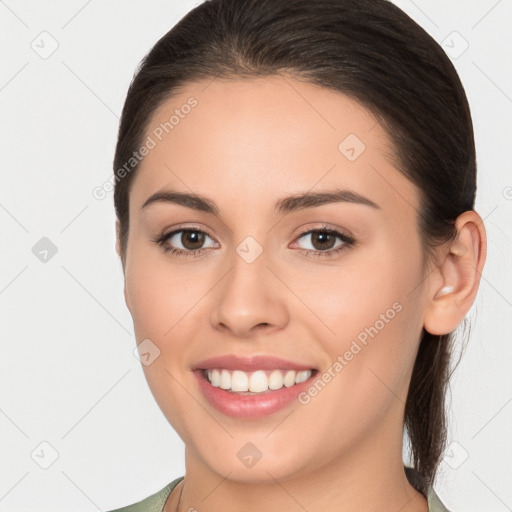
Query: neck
[346,483]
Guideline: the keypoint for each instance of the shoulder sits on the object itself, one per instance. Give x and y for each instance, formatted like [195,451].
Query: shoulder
[153,503]
[416,480]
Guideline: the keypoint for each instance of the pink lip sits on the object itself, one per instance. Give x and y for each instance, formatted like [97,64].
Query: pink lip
[248,364]
[250,406]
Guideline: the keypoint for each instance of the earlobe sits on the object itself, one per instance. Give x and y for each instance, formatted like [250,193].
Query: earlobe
[121,256]
[453,287]
[118,238]
[119,249]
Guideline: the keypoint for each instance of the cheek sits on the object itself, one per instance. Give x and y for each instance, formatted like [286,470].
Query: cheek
[376,324]
[162,304]
[159,292]
[369,316]
[354,295]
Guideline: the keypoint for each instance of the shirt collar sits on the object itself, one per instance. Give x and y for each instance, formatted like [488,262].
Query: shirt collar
[418,482]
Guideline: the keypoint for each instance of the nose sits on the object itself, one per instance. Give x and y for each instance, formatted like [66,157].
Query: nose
[249,299]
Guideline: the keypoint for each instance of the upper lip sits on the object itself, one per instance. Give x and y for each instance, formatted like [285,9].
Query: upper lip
[251,363]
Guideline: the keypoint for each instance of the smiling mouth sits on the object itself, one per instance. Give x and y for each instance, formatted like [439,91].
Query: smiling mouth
[255,382]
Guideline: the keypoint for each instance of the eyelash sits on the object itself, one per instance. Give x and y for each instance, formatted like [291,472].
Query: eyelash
[347,242]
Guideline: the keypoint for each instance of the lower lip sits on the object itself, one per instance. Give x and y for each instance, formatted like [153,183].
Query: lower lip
[250,406]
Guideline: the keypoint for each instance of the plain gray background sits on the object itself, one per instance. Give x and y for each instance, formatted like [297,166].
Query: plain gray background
[73,396]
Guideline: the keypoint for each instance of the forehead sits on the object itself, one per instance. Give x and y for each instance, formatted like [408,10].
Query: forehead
[259,137]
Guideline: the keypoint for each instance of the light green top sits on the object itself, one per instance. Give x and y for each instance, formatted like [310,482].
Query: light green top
[155,502]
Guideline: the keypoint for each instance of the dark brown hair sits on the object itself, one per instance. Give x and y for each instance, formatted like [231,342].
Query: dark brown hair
[373,52]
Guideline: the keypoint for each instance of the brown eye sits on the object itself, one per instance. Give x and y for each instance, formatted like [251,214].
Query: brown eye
[185,242]
[322,240]
[191,239]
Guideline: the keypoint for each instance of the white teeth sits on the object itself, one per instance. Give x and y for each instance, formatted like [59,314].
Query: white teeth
[275,380]
[302,376]
[239,381]
[259,381]
[225,379]
[289,378]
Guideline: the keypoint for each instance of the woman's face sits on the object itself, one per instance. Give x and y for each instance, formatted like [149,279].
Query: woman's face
[265,282]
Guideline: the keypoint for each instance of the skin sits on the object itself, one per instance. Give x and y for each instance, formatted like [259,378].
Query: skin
[248,143]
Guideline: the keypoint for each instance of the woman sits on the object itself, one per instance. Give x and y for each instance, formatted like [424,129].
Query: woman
[295,186]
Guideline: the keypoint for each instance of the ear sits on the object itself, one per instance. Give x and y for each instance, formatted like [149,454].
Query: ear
[118,243]
[118,237]
[121,256]
[454,284]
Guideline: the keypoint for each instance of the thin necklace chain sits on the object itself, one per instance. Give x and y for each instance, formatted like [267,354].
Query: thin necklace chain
[181,496]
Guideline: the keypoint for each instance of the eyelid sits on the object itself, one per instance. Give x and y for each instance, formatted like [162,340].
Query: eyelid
[189,228]
[342,234]
[166,234]
[325,227]
[303,231]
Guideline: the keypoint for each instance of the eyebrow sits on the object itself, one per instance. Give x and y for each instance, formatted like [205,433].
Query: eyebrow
[282,206]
